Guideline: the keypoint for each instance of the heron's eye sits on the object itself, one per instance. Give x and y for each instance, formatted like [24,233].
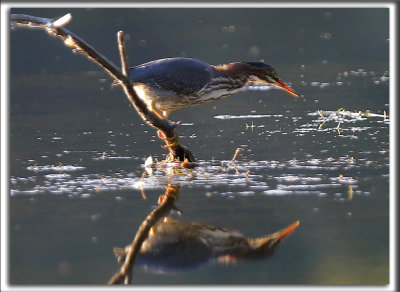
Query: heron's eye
[274,75]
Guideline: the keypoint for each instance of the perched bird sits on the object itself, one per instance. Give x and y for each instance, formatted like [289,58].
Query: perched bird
[169,84]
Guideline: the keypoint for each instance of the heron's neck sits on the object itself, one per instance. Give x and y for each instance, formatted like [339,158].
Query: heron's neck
[235,75]
[226,80]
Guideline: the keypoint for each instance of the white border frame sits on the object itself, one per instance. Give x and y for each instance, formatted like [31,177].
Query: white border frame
[5,7]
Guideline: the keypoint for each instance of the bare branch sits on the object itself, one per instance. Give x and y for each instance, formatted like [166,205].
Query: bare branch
[70,39]
[121,47]
[63,20]
[55,28]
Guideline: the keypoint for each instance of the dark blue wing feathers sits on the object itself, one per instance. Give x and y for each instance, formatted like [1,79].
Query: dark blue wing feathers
[180,75]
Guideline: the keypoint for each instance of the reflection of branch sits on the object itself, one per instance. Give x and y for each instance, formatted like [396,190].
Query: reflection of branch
[55,28]
[165,205]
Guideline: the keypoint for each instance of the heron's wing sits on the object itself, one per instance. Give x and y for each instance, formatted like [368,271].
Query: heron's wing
[180,75]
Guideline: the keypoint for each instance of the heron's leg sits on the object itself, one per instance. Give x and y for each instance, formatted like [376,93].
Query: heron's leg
[153,109]
[166,114]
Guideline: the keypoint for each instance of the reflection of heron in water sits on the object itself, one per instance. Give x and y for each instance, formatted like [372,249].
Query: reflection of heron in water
[178,246]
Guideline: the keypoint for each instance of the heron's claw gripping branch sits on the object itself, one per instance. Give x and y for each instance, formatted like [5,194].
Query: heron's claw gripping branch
[170,142]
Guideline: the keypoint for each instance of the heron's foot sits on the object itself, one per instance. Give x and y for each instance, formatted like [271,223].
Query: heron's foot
[177,151]
[171,142]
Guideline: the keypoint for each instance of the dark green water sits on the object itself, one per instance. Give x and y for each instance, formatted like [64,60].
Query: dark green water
[77,148]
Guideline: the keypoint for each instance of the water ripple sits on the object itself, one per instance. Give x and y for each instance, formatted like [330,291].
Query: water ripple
[242,178]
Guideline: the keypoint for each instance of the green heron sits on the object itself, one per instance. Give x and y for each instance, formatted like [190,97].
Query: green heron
[173,83]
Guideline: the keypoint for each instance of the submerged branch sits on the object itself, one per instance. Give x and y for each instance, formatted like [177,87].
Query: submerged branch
[55,28]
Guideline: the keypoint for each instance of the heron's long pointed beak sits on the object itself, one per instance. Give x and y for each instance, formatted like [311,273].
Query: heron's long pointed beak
[287,88]
[288,230]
